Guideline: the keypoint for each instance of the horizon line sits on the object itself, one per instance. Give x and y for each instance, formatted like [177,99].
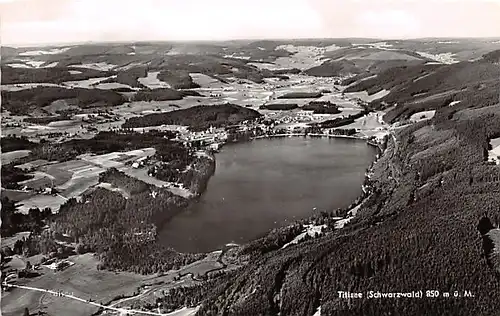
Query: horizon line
[91,42]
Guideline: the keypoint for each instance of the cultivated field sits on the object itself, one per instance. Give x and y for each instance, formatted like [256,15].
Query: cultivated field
[74,177]
[96,66]
[13,156]
[206,81]
[363,95]
[152,81]
[86,84]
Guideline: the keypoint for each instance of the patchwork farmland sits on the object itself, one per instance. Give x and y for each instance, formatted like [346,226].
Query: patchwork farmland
[71,178]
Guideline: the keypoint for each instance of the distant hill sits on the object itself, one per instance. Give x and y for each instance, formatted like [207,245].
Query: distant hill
[28,101]
[162,94]
[356,60]
[12,75]
[334,69]
[370,53]
[431,87]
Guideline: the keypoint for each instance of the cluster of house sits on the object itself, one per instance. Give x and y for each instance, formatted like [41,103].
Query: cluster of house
[57,265]
[209,137]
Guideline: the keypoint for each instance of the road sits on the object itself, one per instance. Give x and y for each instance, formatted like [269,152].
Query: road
[122,311]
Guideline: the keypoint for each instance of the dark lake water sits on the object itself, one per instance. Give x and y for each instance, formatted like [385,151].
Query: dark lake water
[267,183]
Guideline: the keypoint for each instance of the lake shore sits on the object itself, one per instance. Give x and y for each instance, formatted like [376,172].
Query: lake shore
[278,170]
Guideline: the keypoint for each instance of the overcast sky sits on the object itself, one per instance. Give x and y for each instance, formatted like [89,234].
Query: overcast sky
[68,21]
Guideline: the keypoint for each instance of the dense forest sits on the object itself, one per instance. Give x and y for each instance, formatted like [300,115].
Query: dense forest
[340,121]
[11,75]
[13,143]
[197,117]
[293,71]
[106,142]
[162,94]
[334,69]
[390,78]
[417,88]
[103,221]
[14,222]
[279,106]
[123,231]
[301,95]
[26,101]
[178,79]
[12,175]
[194,178]
[364,62]
[321,107]
[129,77]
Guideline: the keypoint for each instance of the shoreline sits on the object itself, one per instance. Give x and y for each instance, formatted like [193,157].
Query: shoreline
[311,134]
[364,138]
[358,201]
[366,189]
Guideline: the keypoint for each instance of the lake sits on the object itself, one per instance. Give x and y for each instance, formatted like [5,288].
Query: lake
[267,183]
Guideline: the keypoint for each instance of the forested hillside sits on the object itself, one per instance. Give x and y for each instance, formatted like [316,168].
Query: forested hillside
[431,87]
[27,101]
[114,227]
[11,75]
[197,117]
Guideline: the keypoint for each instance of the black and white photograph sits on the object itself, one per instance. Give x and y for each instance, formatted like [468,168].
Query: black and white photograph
[250,157]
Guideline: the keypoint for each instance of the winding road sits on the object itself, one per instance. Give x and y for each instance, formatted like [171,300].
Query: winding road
[122,311]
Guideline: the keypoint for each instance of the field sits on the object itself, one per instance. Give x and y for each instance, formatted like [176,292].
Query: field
[494,153]
[82,279]
[96,66]
[41,201]
[112,85]
[304,57]
[424,115]
[73,178]
[86,84]
[206,81]
[152,82]
[14,155]
[112,188]
[370,125]
[188,275]
[363,95]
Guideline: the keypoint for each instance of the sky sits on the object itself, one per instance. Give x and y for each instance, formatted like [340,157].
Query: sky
[25,22]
